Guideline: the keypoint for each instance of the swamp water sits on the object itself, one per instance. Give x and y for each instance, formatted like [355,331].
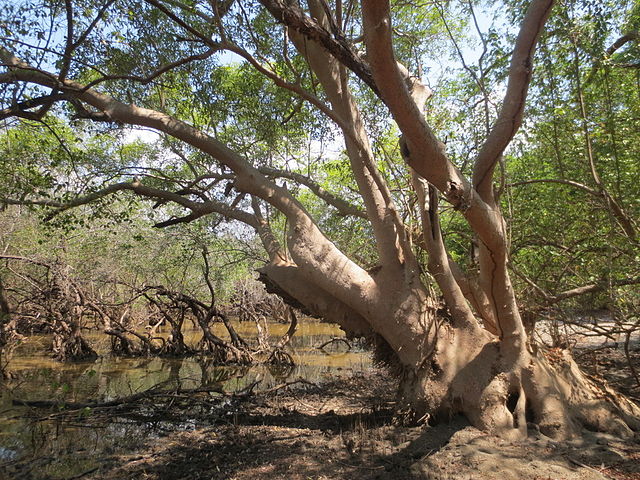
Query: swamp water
[60,447]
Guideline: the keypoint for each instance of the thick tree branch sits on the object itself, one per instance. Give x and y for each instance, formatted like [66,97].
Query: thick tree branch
[476,296]
[510,117]
[290,282]
[427,153]
[381,210]
[429,159]
[294,17]
[620,42]
[275,251]
[438,264]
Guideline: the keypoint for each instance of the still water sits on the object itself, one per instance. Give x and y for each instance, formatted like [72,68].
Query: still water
[62,449]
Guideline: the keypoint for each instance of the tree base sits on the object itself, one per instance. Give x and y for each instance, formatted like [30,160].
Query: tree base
[544,388]
[72,348]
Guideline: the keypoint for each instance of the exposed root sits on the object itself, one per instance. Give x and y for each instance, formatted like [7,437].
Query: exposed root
[545,388]
[590,401]
[281,358]
[73,347]
[223,353]
[385,356]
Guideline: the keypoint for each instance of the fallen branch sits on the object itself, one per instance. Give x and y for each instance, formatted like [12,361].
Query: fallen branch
[285,385]
[136,397]
[156,393]
[583,465]
[333,340]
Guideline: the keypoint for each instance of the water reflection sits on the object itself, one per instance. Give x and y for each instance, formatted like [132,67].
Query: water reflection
[73,446]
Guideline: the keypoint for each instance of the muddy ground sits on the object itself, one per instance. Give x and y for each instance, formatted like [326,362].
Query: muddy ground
[344,428]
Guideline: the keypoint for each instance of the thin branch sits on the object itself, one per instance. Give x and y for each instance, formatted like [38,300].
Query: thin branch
[192,9]
[570,183]
[625,65]
[69,44]
[344,208]
[279,81]
[576,291]
[196,33]
[93,24]
[198,209]
[160,71]
[229,46]
[25,259]
[593,288]
[43,202]
[627,223]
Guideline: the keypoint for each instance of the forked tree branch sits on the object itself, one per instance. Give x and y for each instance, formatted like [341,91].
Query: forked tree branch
[380,207]
[294,17]
[325,264]
[427,154]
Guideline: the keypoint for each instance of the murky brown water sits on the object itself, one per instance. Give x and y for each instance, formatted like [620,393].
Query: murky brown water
[71,445]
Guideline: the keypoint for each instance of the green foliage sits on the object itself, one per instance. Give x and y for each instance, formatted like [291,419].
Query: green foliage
[562,237]
[581,107]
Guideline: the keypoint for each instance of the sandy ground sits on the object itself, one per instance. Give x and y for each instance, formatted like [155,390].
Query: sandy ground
[344,429]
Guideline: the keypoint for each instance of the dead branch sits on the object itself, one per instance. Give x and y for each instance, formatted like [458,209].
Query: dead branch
[118,402]
[335,340]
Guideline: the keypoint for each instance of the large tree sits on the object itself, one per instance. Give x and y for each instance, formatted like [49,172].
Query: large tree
[157,64]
